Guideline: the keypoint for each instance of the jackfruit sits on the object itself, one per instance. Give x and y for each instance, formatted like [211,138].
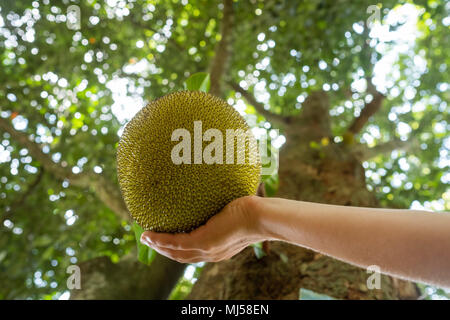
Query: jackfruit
[172,189]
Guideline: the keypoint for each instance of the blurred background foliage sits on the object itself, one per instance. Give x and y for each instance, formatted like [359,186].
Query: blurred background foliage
[72,91]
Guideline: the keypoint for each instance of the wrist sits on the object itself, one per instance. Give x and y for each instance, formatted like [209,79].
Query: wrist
[259,215]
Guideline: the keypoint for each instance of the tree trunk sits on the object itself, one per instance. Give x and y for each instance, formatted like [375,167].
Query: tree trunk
[127,279]
[312,168]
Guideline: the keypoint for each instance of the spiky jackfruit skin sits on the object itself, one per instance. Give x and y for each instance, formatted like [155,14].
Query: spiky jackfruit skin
[165,197]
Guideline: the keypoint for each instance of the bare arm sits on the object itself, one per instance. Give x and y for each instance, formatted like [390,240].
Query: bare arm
[410,244]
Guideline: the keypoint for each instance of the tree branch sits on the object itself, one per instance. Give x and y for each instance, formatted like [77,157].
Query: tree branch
[105,190]
[20,201]
[222,50]
[362,152]
[366,63]
[369,110]
[270,116]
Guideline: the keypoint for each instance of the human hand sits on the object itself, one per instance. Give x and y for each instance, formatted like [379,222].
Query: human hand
[224,235]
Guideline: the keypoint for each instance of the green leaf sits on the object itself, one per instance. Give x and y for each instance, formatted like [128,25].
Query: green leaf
[259,252]
[271,184]
[3,255]
[198,82]
[145,254]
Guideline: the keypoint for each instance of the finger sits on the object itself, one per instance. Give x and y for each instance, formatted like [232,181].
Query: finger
[203,238]
[191,256]
[184,256]
[216,232]
[181,256]
[178,241]
[201,247]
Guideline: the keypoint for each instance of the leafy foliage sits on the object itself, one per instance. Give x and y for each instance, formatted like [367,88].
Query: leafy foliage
[73,90]
[145,254]
[198,81]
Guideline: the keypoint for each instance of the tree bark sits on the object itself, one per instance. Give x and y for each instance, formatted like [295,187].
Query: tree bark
[222,51]
[326,174]
[127,279]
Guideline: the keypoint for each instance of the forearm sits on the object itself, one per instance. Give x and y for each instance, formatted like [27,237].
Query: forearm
[409,244]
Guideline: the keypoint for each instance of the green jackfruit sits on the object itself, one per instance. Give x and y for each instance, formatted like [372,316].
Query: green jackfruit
[175,180]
